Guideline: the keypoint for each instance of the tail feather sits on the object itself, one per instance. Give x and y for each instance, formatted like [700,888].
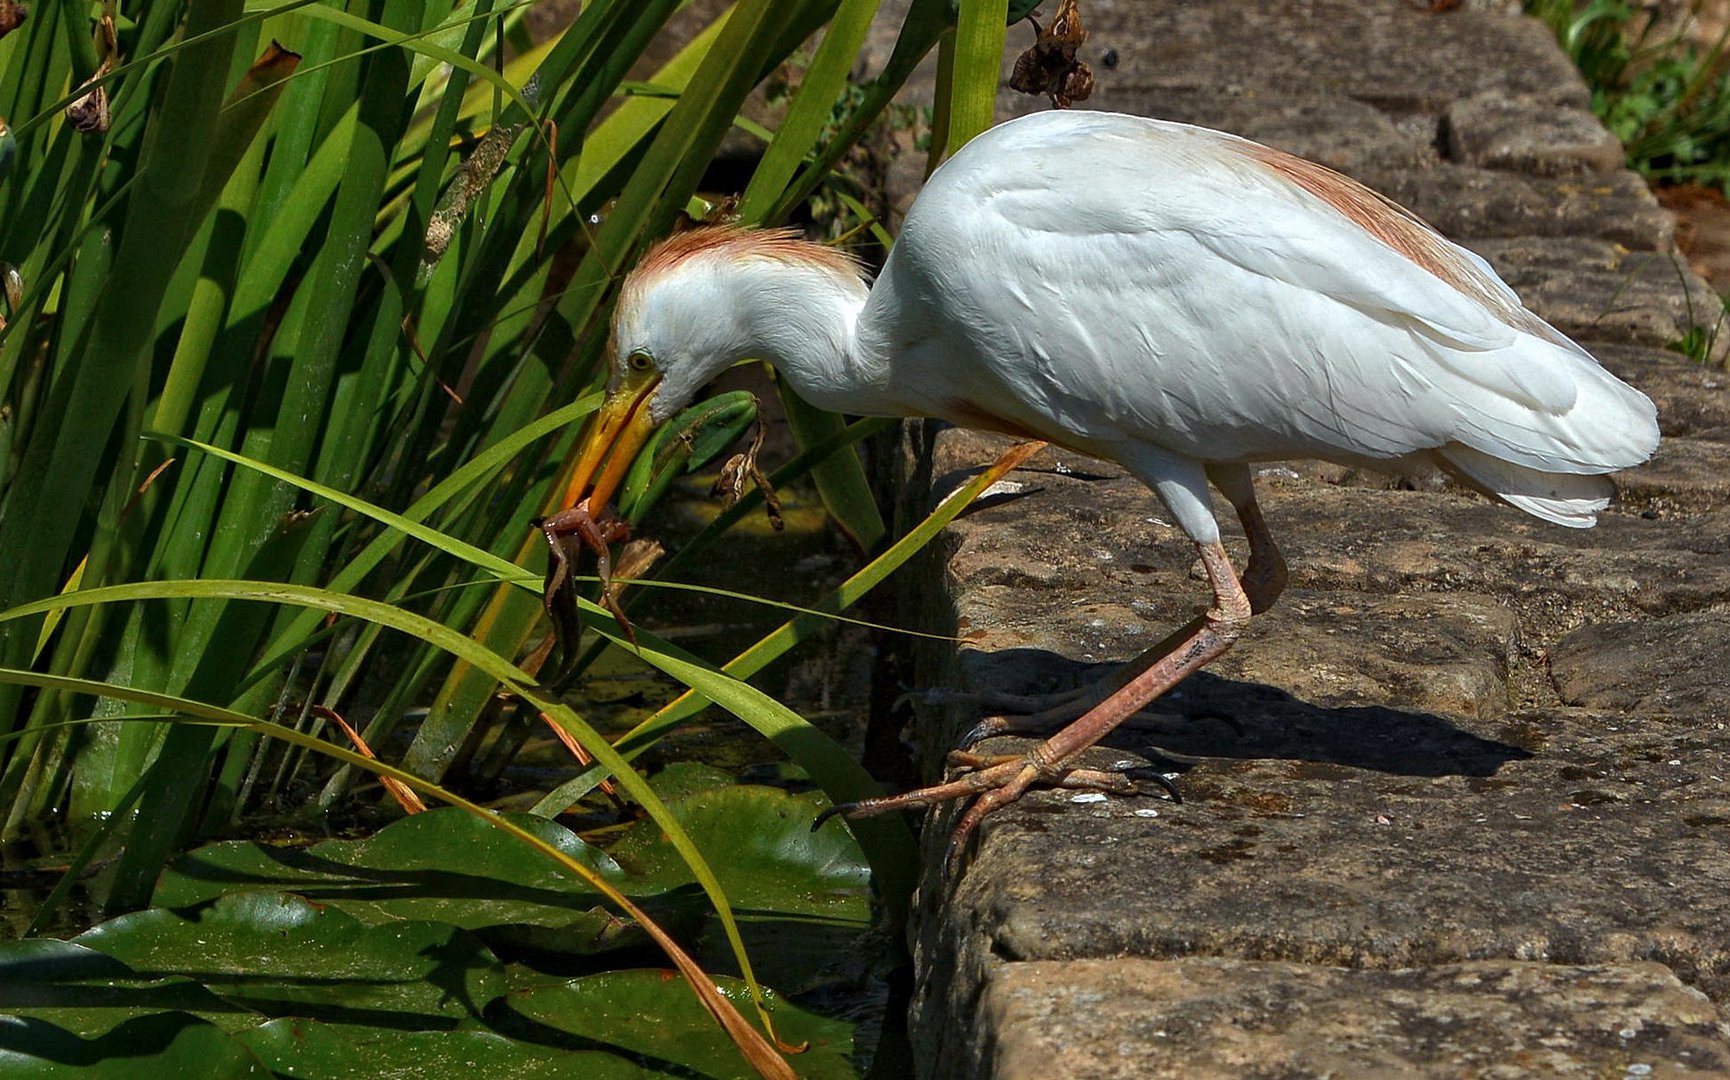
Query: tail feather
[1571,499]
[1608,425]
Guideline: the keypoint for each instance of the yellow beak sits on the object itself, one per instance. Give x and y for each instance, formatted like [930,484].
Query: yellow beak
[615,435]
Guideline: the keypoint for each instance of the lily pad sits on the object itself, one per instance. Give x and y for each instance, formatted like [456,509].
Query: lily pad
[309,1050]
[759,842]
[649,1019]
[683,779]
[86,993]
[803,899]
[164,1044]
[443,865]
[282,956]
[448,866]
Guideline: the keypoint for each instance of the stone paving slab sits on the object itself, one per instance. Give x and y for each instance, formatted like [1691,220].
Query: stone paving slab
[1460,801]
[1240,1020]
[1670,665]
[1360,792]
[1394,56]
[1596,291]
[1693,399]
[1462,200]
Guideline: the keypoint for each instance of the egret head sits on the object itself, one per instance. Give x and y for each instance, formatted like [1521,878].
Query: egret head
[693,307]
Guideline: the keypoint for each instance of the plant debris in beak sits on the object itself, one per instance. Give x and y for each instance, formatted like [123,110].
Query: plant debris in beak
[730,485]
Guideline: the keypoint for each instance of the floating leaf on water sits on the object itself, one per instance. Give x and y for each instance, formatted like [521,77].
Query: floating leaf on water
[651,1016]
[443,864]
[161,1044]
[282,955]
[759,842]
[88,994]
[301,1049]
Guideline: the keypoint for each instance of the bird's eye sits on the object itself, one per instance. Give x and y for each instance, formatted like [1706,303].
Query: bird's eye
[640,361]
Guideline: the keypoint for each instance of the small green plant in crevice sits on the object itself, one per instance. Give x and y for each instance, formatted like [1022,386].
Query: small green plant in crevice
[1700,342]
[1666,97]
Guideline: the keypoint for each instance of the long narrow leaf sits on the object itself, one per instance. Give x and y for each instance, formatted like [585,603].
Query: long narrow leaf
[979,36]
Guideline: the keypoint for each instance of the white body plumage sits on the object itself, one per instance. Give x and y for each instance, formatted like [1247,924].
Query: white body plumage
[1166,296]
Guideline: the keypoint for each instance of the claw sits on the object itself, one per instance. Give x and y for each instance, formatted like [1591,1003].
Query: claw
[1166,783]
[979,732]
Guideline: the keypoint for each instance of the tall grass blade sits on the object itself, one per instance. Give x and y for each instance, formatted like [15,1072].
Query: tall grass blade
[979,37]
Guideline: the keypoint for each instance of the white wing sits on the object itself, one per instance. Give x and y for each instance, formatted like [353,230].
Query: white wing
[1137,281]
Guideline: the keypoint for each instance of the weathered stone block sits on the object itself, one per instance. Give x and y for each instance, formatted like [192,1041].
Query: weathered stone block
[1465,201]
[1693,399]
[1398,57]
[1687,477]
[1672,665]
[1494,131]
[1595,291]
[1400,851]
[1552,836]
[1229,1020]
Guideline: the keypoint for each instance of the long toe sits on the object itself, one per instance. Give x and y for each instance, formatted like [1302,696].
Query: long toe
[994,781]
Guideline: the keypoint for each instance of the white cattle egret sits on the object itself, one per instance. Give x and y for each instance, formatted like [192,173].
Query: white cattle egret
[1177,300]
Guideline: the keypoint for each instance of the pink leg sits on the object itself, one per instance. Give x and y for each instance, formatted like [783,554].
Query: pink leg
[1265,576]
[999,784]
[1263,581]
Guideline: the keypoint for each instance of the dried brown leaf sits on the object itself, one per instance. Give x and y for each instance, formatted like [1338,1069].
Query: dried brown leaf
[1051,66]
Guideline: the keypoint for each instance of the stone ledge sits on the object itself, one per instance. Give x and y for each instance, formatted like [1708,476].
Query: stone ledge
[1382,776]
[1238,1020]
[1363,723]
[1672,665]
[1344,47]
[1595,291]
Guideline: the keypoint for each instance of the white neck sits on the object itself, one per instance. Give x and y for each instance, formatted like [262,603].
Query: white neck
[788,303]
[804,320]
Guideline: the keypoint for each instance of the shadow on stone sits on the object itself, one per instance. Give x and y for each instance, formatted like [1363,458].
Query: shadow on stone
[1214,717]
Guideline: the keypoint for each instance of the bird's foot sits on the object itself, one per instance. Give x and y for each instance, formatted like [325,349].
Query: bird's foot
[996,780]
[1123,778]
